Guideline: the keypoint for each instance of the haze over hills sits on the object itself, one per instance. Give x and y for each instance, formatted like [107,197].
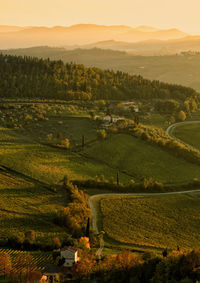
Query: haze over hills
[10,28]
[19,37]
[151,47]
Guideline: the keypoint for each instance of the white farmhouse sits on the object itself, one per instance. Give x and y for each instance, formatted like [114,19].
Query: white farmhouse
[70,255]
[129,104]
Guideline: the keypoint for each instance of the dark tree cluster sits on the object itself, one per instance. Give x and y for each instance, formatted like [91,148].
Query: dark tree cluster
[26,77]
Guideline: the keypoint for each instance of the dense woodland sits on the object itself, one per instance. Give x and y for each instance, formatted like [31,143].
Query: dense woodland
[23,77]
[181,68]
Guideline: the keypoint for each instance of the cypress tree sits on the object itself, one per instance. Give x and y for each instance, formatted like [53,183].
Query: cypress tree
[87,234]
[117,178]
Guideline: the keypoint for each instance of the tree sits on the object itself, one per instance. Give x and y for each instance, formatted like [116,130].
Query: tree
[136,119]
[87,233]
[101,134]
[92,114]
[181,116]
[66,143]
[16,241]
[165,253]
[5,264]
[30,236]
[117,178]
[83,268]
[59,136]
[49,137]
[56,243]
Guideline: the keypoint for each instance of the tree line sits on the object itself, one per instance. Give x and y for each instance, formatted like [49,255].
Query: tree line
[26,77]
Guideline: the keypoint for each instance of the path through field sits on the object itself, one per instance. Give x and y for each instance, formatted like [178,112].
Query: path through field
[169,131]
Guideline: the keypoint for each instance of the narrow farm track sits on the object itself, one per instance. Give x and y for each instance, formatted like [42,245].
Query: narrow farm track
[171,128]
[169,131]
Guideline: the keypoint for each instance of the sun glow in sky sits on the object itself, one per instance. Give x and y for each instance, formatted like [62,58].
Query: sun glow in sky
[182,14]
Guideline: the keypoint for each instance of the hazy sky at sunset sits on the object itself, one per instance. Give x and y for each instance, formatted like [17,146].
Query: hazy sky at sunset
[182,14]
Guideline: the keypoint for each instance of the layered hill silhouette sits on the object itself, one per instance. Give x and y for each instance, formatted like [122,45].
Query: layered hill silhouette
[20,37]
[151,47]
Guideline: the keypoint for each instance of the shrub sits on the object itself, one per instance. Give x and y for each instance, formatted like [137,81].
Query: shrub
[65,143]
[101,134]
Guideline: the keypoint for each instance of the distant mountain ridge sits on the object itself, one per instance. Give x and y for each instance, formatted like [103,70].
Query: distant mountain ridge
[20,37]
[151,47]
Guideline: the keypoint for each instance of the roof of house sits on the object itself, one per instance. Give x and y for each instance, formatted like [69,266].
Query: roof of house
[52,269]
[71,249]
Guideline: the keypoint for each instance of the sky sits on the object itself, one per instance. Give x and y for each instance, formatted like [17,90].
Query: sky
[181,14]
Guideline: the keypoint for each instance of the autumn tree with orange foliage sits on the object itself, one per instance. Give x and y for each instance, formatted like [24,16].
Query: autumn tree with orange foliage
[84,268]
[5,264]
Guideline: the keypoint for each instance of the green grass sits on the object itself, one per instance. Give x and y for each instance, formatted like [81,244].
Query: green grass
[48,164]
[26,206]
[72,128]
[189,133]
[154,119]
[159,221]
[140,159]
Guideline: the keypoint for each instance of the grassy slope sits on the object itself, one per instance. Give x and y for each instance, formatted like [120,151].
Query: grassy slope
[189,133]
[48,164]
[158,221]
[72,127]
[141,159]
[25,206]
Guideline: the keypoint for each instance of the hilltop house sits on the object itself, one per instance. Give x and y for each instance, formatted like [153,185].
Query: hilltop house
[108,120]
[69,255]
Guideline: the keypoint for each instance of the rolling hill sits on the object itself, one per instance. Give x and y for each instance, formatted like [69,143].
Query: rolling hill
[150,47]
[79,34]
[180,69]
[38,78]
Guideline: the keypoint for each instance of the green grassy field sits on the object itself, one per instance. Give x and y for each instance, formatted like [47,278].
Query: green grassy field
[134,158]
[44,122]
[72,128]
[159,221]
[48,164]
[141,159]
[27,206]
[189,133]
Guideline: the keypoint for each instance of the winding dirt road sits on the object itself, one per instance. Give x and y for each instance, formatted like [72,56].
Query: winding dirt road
[169,131]
[171,128]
